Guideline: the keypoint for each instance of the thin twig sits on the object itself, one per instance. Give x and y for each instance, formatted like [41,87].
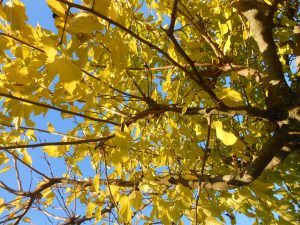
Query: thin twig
[19,181]
[108,184]
[42,130]
[57,143]
[25,164]
[64,28]
[206,154]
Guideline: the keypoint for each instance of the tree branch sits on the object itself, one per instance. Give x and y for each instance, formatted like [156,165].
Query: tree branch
[22,42]
[57,109]
[279,94]
[58,143]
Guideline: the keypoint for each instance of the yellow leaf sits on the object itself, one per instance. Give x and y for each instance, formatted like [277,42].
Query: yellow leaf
[226,137]
[27,158]
[172,52]
[268,2]
[119,52]
[51,129]
[96,182]
[136,200]
[53,151]
[223,28]
[66,69]
[30,135]
[16,14]
[227,45]
[229,96]
[2,205]
[57,7]
[90,209]
[3,158]
[125,209]
[49,195]
[70,87]
[98,214]
[76,170]
[26,219]
[102,6]
[133,46]
[5,169]
[123,139]
[84,23]
[51,53]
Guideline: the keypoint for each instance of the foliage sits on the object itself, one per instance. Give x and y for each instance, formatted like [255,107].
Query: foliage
[184,110]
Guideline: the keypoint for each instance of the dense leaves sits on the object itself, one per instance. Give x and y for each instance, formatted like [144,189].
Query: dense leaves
[169,111]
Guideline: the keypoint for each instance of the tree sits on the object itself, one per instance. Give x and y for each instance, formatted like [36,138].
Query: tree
[188,112]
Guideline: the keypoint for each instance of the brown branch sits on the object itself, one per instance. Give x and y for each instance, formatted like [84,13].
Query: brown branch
[157,109]
[13,191]
[173,16]
[22,42]
[57,109]
[241,70]
[27,208]
[57,143]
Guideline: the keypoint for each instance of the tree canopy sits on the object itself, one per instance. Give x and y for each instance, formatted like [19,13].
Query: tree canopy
[185,111]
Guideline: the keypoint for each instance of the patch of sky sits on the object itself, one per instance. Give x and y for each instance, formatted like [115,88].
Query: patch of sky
[34,11]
